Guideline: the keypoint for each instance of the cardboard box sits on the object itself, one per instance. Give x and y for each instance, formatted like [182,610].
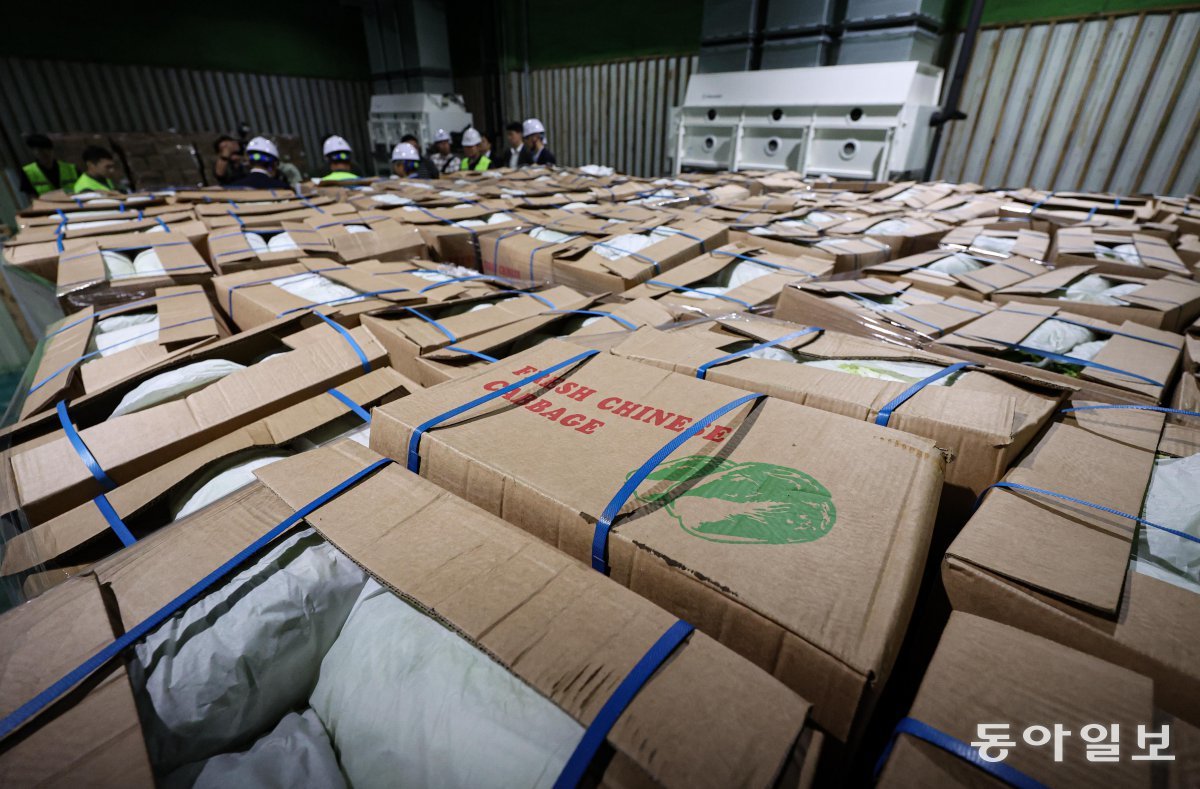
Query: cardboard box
[384,240]
[1168,303]
[896,311]
[987,673]
[1081,246]
[982,421]
[69,367]
[959,207]
[1070,208]
[95,741]
[988,239]
[918,235]
[466,338]
[76,216]
[820,598]
[51,477]
[230,198]
[976,285]
[266,213]
[251,298]
[536,612]
[83,278]
[1062,571]
[37,248]
[579,265]
[521,257]
[231,251]
[83,535]
[678,286]
[1138,362]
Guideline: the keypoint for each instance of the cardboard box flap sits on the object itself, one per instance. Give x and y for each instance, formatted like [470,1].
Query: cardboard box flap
[308,239]
[66,344]
[1164,294]
[1047,283]
[908,263]
[97,740]
[465,326]
[1006,325]
[1129,355]
[987,671]
[1073,552]
[1032,244]
[866,286]
[1000,275]
[939,316]
[534,610]
[81,265]
[58,536]
[184,318]
[1075,241]
[1137,428]
[384,238]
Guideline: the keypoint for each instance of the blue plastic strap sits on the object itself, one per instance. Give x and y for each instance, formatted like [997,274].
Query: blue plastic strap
[316,208]
[58,239]
[362,295]
[140,215]
[235,216]
[502,236]
[538,249]
[956,747]
[886,315]
[1040,203]
[414,441]
[634,255]
[97,661]
[452,280]
[597,731]
[1157,408]
[627,324]
[1090,214]
[85,454]
[703,369]
[1117,203]
[451,337]
[765,263]
[885,413]
[362,356]
[114,521]
[697,239]
[71,364]
[162,224]
[688,289]
[1093,505]
[1058,357]
[604,525]
[363,414]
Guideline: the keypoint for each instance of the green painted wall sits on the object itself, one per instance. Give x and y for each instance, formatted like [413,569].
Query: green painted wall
[1007,12]
[303,38]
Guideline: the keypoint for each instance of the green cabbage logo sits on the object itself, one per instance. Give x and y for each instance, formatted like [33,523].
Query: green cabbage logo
[749,503]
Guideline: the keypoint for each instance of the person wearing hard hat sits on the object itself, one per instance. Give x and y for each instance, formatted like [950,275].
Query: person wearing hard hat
[99,166]
[477,157]
[407,162]
[46,172]
[535,150]
[264,166]
[337,153]
[446,162]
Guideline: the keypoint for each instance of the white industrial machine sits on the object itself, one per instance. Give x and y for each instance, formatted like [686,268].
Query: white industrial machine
[867,121]
[420,114]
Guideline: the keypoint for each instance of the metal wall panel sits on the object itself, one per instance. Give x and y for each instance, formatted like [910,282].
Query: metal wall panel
[616,114]
[59,96]
[1109,103]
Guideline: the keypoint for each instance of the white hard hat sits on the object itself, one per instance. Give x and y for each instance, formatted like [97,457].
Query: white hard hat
[335,144]
[471,137]
[532,126]
[405,152]
[262,145]
[441,136]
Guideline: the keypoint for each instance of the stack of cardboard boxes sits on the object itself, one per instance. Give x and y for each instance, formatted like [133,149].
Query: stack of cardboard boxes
[743,478]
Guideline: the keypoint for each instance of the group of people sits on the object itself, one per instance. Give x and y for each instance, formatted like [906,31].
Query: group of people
[258,166]
[47,172]
[526,146]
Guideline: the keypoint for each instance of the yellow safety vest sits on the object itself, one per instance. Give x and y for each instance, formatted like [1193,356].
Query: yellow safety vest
[339,175]
[67,174]
[86,183]
[484,163]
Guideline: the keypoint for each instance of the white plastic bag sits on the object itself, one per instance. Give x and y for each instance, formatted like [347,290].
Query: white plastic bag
[117,265]
[255,242]
[1173,501]
[1120,253]
[296,754]
[231,664]
[147,264]
[1095,289]
[115,334]
[548,235]
[957,263]
[888,227]
[282,242]
[408,702]
[996,244]
[175,384]
[621,246]
[1055,336]
[219,481]
[390,199]
[312,287]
